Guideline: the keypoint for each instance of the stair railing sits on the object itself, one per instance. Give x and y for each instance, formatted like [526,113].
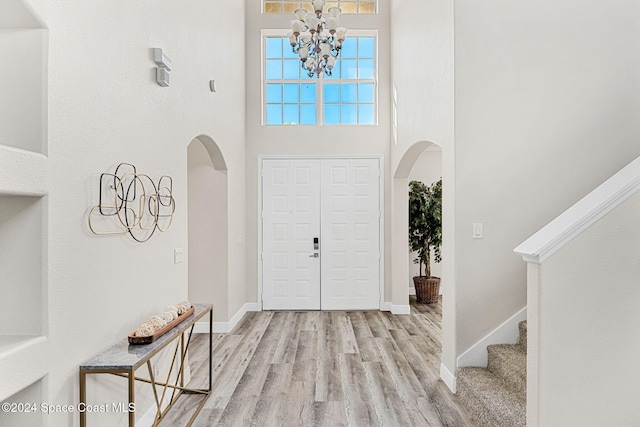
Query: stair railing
[582,308]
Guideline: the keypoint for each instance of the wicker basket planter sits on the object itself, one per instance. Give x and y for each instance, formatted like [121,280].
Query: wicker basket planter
[427,289]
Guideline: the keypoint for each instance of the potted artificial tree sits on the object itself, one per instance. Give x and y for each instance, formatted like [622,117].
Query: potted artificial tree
[425,235]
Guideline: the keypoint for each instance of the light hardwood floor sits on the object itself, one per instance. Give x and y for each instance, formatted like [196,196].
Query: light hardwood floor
[317,368]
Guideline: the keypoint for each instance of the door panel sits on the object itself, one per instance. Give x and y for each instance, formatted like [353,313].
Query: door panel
[337,200]
[291,219]
[350,236]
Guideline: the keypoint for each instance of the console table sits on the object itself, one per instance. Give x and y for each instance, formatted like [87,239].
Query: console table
[122,359]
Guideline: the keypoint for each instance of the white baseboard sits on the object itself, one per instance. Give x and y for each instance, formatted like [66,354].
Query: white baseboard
[202,327]
[506,333]
[149,417]
[395,309]
[448,378]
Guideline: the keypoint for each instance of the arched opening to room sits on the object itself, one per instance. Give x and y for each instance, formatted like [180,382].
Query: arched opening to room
[411,166]
[421,162]
[424,161]
[208,248]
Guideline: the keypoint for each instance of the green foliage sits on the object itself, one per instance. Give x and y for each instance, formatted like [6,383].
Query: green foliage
[425,222]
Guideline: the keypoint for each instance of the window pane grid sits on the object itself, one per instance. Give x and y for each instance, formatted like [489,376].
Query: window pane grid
[289,99]
[349,95]
[291,103]
[347,6]
[349,102]
[346,98]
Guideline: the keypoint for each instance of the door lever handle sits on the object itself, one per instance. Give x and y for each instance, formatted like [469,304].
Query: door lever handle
[315,255]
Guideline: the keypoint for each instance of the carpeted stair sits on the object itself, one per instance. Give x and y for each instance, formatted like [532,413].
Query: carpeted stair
[497,396]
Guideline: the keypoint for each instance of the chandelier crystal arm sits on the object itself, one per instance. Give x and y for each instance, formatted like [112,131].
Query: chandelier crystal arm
[319,49]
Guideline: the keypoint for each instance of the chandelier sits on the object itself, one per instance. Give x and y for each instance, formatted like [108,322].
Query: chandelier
[319,49]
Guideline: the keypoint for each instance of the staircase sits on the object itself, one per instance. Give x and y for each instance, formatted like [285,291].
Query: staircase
[496,396]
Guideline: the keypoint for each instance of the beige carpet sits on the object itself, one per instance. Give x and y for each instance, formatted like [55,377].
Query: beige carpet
[497,396]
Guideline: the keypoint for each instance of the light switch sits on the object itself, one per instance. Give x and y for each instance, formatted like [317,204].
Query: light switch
[178,255]
[477,230]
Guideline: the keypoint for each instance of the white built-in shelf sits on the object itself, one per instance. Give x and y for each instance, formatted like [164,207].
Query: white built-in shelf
[32,394]
[23,361]
[15,343]
[24,347]
[23,307]
[23,286]
[22,172]
[23,85]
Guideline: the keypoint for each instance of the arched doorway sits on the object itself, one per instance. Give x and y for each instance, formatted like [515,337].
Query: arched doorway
[208,225]
[427,169]
[421,153]
[400,259]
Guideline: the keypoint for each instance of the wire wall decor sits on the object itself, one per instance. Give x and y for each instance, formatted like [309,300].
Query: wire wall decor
[140,205]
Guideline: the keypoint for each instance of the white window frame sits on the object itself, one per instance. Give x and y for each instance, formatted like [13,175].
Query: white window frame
[265,33]
[357,2]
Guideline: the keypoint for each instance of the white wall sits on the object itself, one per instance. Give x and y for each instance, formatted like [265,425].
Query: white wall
[105,108]
[545,95]
[546,104]
[422,58]
[208,232]
[422,73]
[301,140]
[588,317]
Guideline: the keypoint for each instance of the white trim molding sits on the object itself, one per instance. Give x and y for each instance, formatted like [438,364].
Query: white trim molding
[395,308]
[581,215]
[506,333]
[149,417]
[448,378]
[226,327]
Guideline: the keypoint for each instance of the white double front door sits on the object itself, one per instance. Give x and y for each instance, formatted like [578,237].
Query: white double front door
[320,234]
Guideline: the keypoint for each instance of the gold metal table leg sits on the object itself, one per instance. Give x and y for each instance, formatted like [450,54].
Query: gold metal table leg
[132,414]
[83,397]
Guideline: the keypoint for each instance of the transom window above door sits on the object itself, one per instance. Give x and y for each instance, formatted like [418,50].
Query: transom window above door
[347,97]
[347,6]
